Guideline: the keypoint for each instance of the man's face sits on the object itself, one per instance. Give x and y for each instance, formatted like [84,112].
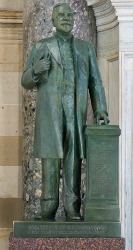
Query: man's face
[63,19]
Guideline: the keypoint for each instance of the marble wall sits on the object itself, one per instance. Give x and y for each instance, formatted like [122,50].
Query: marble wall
[108,57]
[11,62]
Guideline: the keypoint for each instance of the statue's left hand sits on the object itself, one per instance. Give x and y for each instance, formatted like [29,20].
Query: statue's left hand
[102,116]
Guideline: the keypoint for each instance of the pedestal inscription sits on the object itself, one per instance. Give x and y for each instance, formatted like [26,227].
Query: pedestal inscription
[102,196]
[101,173]
[46,229]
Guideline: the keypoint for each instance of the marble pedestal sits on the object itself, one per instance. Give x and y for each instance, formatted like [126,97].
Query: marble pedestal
[66,244]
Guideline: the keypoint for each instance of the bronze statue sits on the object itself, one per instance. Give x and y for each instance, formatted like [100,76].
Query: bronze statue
[63,68]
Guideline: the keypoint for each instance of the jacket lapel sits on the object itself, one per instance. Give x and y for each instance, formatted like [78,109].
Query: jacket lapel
[54,49]
[78,51]
[80,57]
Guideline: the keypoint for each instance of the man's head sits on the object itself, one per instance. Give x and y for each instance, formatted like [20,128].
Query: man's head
[63,18]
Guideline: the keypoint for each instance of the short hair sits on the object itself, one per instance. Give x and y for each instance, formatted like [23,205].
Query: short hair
[58,5]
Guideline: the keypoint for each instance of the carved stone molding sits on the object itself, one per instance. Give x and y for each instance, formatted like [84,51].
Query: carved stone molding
[11,25]
[122,9]
[11,17]
[92,2]
[104,13]
[11,5]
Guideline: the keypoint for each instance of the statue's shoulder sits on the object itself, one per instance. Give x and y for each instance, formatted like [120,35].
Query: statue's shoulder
[44,42]
[83,43]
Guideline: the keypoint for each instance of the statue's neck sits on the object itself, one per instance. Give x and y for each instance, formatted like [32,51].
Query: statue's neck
[64,35]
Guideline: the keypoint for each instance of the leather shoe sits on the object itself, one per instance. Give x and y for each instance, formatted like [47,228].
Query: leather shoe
[73,217]
[42,217]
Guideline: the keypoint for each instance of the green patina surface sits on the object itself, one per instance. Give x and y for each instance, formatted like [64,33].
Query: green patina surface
[102,195]
[63,68]
[57,229]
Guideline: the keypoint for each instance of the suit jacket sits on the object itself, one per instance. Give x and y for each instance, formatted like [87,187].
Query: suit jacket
[48,124]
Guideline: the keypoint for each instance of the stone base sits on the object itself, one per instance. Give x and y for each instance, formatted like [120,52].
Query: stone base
[66,244]
[58,229]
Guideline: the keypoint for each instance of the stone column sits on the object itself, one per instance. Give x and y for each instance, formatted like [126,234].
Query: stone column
[38,25]
[121,12]
[124,11]
[11,60]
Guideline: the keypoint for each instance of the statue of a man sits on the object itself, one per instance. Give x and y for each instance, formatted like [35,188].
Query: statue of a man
[63,68]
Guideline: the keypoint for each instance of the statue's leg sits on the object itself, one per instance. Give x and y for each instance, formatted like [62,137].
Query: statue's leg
[50,187]
[71,165]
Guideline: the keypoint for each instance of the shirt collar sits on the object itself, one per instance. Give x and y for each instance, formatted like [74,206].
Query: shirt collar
[64,39]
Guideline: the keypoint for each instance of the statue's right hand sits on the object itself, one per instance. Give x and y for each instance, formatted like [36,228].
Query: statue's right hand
[41,66]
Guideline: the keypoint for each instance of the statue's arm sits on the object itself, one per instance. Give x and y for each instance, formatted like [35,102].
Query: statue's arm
[37,65]
[96,89]
[29,79]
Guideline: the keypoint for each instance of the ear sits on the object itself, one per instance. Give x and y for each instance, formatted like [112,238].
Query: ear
[53,22]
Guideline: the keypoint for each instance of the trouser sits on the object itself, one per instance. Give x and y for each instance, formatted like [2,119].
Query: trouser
[71,167]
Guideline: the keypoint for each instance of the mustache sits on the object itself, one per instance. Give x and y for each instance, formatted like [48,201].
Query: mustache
[65,23]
